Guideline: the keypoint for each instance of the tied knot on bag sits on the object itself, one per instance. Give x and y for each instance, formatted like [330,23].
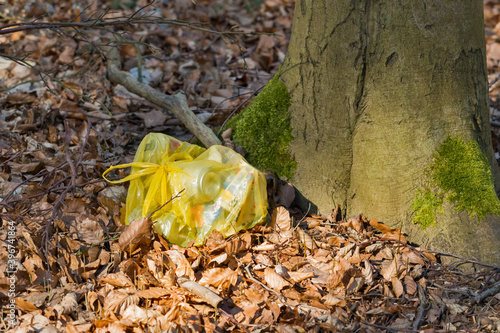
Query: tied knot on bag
[158,187]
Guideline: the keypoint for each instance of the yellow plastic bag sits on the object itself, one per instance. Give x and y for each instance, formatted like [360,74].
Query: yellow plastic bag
[221,190]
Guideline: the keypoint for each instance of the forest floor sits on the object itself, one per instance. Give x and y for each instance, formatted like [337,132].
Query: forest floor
[63,123]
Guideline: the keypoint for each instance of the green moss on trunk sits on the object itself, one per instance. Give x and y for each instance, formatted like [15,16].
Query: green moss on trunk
[459,173]
[263,130]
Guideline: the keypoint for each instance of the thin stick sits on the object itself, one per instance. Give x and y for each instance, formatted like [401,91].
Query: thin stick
[488,292]
[171,199]
[229,317]
[281,297]
[464,259]
[420,309]
[389,328]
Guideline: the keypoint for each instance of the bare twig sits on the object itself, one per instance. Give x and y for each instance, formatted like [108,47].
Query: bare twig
[389,329]
[281,297]
[420,309]
[464,259]
[101,23]
[229,317]
[41,73]
[494,81]
[67,153]
[171,199]
[488,292]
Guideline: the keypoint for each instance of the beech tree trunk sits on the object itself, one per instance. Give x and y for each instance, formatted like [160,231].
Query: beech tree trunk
[376,86]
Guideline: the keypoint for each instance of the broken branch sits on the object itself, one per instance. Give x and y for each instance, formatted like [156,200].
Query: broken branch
[208,295]
[176,104]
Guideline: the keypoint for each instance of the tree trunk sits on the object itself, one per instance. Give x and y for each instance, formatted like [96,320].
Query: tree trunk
[376,89]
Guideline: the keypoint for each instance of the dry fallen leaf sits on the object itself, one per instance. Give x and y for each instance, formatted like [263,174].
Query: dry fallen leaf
[396,235]
[306,240]
[117,301]
[412,258]
[152,293]
[333,300]
[274,280]
[300,276]
[266,246]
[379,226]
[120,280]
[183,268]
[389,271]
[153,118]
[129,240]
[433,314]
[281,221]
[25,305]
[397,286]
[454,307]
[377,312]
[429,255]
[242,243]
[67,55]
[368,272]
[410,284]
[221,278]
[356,224]
[137,315]
[68,304]
[355,285]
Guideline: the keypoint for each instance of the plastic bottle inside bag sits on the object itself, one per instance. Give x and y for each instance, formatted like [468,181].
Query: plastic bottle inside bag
[202,185]
[209,185]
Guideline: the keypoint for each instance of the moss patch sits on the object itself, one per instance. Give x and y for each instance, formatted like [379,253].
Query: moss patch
[426,206]
[459,173]
[263,130]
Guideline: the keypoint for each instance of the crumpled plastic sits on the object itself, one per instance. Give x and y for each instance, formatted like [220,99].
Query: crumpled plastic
[218,189]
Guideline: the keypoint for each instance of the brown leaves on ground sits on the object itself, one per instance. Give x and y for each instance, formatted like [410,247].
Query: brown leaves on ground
[137,234]
[78,269]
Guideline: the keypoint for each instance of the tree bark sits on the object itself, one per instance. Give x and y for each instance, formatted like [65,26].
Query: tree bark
[376,87]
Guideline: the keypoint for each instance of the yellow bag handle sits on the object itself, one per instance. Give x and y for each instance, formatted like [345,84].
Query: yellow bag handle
[147,169]
[158,182]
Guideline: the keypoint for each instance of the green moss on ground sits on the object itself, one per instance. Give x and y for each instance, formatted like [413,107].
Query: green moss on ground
[459,173]
[263,130]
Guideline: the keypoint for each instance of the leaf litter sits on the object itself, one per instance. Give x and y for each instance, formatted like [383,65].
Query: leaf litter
[79,269]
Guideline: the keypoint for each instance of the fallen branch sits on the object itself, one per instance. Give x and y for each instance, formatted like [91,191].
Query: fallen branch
[421,308]
[208,295]
[488,292]
[176,104]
